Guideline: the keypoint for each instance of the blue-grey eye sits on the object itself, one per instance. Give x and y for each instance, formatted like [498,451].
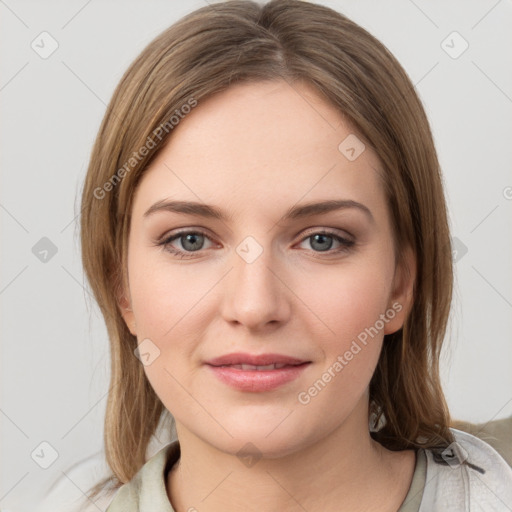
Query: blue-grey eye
[321,242]
[192,241]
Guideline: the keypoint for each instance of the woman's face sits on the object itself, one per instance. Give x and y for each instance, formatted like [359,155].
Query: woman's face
[261,316]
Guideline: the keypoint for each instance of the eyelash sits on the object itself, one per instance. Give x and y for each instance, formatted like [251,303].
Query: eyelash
[165,243]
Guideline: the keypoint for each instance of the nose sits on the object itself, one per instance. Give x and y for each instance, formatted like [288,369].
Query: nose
[255,293]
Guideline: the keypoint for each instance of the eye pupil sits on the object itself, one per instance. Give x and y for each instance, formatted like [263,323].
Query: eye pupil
[321,238]
[193,238]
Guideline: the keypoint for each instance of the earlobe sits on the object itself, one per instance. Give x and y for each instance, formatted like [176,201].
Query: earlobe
[402,296]
[127,312]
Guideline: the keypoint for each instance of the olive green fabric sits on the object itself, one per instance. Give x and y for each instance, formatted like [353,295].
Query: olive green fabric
[412,501]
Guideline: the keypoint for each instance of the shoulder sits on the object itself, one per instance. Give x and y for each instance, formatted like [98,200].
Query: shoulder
[497,433]
[68,493]
[147,490]
[469,471]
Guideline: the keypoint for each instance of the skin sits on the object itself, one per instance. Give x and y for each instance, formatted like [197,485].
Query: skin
[254,151]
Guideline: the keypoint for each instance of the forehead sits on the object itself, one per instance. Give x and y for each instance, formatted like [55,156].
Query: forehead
[259,145]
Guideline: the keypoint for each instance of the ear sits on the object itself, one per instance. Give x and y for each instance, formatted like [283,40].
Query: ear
[401,298]
[124,303]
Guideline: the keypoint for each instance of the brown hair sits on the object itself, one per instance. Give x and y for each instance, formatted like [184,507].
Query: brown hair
[240,41]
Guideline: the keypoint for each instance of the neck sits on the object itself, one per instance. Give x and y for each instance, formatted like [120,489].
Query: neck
[344,471]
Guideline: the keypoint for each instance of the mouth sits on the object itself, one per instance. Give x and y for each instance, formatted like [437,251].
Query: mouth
[256,373]
[252,367]
[256,360]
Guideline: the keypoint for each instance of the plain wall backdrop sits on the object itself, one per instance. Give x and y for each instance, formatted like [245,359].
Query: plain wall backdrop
[60,62]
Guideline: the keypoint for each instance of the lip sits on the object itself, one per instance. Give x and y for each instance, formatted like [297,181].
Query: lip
[254,359]
[228,370]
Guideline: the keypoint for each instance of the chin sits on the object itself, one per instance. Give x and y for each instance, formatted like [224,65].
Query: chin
[260,446]
[271,439]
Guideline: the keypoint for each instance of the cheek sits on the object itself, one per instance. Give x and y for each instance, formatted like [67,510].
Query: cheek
[352,345]
[163,295]
[168,302]
[347,301]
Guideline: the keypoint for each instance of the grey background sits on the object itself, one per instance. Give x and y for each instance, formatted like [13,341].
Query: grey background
[54,353]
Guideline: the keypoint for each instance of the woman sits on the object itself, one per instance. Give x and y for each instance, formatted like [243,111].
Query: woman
[264,228]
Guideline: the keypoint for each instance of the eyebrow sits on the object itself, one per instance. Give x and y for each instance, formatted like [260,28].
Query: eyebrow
[295,212]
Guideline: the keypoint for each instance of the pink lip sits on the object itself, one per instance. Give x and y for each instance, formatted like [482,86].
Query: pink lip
[256,380]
